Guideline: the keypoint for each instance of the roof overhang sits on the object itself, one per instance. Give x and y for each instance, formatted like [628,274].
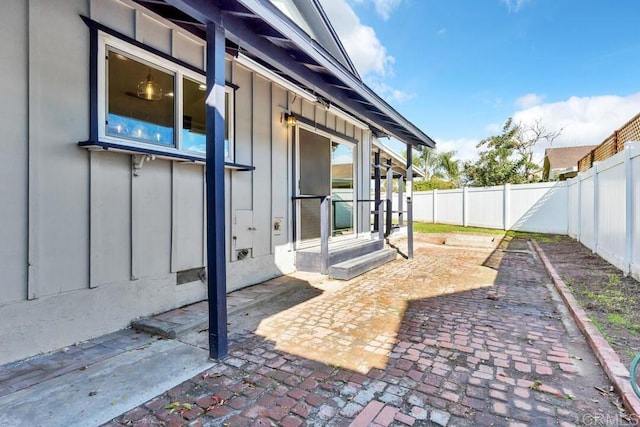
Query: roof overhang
[260,31]
[398,162]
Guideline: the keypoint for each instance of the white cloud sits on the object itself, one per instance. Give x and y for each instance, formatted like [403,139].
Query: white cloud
[365,50]
[368,54]
[383,7]
[465,147]
[583,120]
[529,100]
[514,5]
[394,96]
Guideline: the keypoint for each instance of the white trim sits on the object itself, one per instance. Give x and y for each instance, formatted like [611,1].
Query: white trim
[252,65]
[230,123]
[337,111]
[179,72]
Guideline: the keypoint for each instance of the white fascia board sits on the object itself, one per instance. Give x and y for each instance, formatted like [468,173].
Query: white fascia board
[335,110]
[254,66]
[304,42]
[397,157]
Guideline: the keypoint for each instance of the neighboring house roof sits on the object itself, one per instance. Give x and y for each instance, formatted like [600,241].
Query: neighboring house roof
[262,32]
[562,158]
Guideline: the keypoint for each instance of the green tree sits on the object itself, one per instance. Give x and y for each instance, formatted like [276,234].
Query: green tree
[528,137]
[509,157]
[441,165]
[500,161]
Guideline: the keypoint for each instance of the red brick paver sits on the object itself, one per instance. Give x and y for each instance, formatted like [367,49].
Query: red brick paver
[452,337]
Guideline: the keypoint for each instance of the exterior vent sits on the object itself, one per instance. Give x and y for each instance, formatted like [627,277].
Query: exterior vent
[191,275]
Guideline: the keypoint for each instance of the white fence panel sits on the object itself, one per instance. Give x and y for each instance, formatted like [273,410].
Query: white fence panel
[634,209]
[573,208]
[600,208]
[449,207]
[611,211]
[423,206]
[485,207]
[587,211]
[538,208]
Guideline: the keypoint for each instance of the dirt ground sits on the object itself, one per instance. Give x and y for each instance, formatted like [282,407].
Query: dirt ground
[611,300]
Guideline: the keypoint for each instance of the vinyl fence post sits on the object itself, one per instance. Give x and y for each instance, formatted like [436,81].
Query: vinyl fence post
[628,229]
[435,206]
[465,206]
[506,199]
[596,208]
[579,213]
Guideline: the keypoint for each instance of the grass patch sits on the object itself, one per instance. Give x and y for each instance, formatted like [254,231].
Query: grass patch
[617,319]
[427,227]
[542,238]
[598,325]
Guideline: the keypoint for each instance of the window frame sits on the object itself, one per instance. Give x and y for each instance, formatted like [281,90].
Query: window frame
[106,41]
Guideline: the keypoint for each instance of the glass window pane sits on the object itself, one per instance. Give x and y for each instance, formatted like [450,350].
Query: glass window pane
[140,104]
[194,113]
[342,173]
[227,121]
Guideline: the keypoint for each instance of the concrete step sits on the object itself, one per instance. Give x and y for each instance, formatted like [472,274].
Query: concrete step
[310,259]
[347,270]
[194,317]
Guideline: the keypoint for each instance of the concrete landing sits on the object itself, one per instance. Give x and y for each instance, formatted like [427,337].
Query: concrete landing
[104,390]
[89,383]
[195,317]
[471,241]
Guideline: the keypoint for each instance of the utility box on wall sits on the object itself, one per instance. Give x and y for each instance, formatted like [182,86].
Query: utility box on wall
[242,233]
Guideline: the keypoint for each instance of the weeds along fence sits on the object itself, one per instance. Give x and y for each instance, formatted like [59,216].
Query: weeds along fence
[600,208]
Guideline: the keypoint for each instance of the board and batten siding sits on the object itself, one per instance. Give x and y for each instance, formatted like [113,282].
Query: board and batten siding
[86,246]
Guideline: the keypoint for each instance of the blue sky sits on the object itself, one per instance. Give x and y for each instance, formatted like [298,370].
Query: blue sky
[459,68]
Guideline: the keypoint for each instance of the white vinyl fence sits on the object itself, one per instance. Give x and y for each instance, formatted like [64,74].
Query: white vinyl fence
[600,208]
[540,208]
[604,209]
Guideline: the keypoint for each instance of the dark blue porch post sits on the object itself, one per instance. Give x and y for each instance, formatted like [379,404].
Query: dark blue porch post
[217,274]
[409,201]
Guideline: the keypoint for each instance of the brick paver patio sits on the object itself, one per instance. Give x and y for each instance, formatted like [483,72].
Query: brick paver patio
[453,337]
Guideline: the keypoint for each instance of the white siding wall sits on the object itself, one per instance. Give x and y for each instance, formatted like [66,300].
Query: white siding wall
[86,246]
[14,172]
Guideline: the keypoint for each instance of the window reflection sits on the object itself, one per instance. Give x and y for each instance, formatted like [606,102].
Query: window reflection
[148,118]
[342,195]
[194,113]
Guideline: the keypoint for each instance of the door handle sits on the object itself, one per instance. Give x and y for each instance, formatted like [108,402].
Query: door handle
[252,229]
